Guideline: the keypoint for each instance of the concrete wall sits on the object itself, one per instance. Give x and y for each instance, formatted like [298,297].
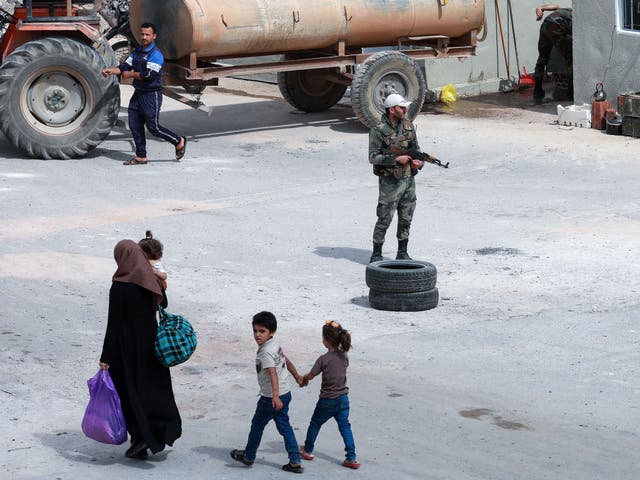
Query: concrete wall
[484,72]
[602,51]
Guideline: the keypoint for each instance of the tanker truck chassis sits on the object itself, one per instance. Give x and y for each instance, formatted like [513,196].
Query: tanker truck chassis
[314,81]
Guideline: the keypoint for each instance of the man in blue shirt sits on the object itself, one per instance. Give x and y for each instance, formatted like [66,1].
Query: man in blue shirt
[144,66]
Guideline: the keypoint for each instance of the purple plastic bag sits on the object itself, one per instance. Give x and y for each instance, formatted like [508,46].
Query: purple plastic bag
[103,419]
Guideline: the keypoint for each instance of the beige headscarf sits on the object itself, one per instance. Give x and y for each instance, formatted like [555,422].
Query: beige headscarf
[133,267]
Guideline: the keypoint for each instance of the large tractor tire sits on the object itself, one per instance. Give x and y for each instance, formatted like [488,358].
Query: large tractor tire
[310,90]
[54,102]
[380,75]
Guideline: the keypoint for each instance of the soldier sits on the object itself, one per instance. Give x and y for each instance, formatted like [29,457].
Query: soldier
[555,31]
[396,185]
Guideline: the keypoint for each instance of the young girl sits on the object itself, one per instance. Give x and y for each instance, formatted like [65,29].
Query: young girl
[153,250]
[334,398]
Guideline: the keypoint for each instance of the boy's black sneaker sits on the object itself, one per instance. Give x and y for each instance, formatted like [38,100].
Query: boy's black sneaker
[289,467]
[238,456]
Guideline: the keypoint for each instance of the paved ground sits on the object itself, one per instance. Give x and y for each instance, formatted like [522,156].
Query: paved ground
[528,369]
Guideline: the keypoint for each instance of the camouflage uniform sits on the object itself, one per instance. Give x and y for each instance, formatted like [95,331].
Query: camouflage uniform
[555,31]
[397,187]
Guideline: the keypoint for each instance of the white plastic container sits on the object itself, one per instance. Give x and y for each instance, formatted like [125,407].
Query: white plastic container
[575,115]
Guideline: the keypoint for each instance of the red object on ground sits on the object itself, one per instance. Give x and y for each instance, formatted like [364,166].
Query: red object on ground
[597,114]
[526,79]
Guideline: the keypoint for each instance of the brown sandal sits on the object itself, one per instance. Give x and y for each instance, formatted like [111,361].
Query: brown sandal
[135,161]
[181,151]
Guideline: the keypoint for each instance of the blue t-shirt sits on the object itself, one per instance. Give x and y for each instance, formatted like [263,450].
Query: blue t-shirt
[148,63]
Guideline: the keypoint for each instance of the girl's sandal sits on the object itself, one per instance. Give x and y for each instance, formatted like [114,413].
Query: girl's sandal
[351,464]
[305,455]
[238,456]
[289,467]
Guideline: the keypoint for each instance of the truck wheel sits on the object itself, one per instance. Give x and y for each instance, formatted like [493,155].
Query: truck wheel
[378,76]
[404,302]
[54,102]
[309,91]
[401,276]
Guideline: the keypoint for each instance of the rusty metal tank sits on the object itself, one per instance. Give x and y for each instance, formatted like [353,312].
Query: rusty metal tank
[232,28]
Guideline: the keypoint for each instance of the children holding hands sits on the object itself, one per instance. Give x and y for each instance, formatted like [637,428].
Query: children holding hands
[274,370]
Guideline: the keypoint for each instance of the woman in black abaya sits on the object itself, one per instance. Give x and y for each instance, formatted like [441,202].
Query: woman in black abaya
[142,382]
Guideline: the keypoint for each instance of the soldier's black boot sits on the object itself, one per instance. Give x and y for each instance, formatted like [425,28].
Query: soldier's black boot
[402,250]
[376,256]
[538,92]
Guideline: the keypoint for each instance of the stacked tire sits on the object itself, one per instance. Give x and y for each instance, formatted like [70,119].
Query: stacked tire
[402,285]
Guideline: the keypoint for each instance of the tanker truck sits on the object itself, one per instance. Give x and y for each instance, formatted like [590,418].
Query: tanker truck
[55,104]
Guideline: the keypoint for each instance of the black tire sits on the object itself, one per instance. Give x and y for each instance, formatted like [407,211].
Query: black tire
[309,91]
[404,302]
[380,75]
[54,101]
[401,276]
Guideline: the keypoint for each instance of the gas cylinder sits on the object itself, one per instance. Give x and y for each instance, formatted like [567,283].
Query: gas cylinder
[229,28]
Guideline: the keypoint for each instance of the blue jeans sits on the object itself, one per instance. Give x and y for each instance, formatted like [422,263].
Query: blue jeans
[337,408]
[264,413]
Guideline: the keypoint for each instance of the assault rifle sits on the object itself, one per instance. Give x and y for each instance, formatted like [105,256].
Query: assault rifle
[417,154]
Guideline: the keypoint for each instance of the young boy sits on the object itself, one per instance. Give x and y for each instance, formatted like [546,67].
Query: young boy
[272,366]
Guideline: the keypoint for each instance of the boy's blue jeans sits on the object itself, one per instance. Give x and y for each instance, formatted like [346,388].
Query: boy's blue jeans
[264,413]
[337,408]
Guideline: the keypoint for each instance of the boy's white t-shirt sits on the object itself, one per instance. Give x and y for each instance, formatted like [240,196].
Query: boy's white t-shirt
[270,355]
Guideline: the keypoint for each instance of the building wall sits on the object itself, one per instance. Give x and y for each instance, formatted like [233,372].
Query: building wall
[602,51]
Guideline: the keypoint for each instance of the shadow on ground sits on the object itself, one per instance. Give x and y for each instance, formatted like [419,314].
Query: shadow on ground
[77,448]
[223,454]
[361,301]
[267,115]
[357,255]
